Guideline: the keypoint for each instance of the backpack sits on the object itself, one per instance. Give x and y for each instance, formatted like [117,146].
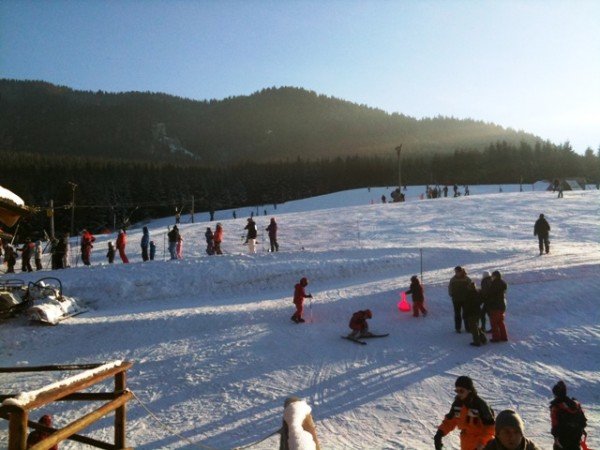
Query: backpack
[573,423]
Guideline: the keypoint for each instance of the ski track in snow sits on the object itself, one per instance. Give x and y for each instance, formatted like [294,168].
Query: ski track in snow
[216,354]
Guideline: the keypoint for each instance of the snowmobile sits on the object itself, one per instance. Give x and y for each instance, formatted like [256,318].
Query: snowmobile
[48,304]
[13,297]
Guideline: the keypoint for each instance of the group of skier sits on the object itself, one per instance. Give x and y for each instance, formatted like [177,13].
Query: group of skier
[479,429]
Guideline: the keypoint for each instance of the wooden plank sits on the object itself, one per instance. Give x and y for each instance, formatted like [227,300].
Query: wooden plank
[121,412]
[50,368]
[77,396]
[17,429]
[81,423]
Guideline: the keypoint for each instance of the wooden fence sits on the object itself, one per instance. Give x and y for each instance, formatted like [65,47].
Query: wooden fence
[16,407]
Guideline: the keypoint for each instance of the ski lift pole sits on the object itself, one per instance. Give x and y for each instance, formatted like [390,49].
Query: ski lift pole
[164,246]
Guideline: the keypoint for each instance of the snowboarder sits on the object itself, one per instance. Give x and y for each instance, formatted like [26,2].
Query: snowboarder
[486,280]
[497,307]
[110,254]
[152,250]
[210,248]
[299,296]
[87,240]
[38,251]
[272,229]
[510,431]
[358,324]
[467,406]
[144,243]
[37,436]
[416,289]
[568,419]
[218,238]
[173,236]
[472,309]
[251,235]
[457,289]
[541,229]
[121,244]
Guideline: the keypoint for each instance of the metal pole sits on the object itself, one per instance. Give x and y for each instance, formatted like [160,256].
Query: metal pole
[73,187]
[398,150]
[51,212]
[192,209]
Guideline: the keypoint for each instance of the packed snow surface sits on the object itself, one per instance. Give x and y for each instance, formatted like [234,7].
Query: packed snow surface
[215,353]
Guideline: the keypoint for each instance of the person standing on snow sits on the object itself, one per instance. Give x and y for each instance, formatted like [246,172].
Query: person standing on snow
[218,238]
[418,298]
[121,244]
[152,250]
[173,236]
[497,307]
[358,324]
[251,234]
[110,254]
[541,229]
[26,254]
[272,229]
[299,296]
[472,309]
[457,289]
[87,240]
[486,281]
[210,246]
[144,243]
[510,431]
[470,414]
[568,419]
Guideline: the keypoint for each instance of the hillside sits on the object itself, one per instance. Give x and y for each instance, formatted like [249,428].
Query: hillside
[273,124]
[215,353]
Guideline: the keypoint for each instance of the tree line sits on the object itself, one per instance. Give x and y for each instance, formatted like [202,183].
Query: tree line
[112,192]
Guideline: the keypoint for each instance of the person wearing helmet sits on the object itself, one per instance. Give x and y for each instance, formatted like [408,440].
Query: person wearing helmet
[416,289]
[358,324]
[299,296]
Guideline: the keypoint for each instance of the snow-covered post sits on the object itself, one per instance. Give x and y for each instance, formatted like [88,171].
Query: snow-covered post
[298,431]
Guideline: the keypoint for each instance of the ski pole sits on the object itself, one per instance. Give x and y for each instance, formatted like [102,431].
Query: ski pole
[310,309]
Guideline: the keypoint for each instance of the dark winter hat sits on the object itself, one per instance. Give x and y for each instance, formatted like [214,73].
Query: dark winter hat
[496,274]
[509,418]
[560,389]
[464,382]
[458,269]
[414,278]
[541,216]
[304,281]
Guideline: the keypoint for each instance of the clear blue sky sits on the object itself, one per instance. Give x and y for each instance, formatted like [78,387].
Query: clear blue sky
[530,65]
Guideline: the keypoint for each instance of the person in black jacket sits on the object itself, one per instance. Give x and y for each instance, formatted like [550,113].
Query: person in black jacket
[497,307]
[251,234]
[457,289]
[418,298]
[541,229]
[472,309]
[568,419]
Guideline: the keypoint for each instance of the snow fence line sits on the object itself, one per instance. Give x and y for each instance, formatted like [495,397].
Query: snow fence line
[25,398]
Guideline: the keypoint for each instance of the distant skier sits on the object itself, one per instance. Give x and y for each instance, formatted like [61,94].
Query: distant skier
[173,236]
[299,296]
[470,414]
[210,246]
[87,240]
[541,229]
[457,289]
[121,244]
[251,234]
[418,298]
[218,238]
[272,229]
[383,199]
[152,250]
[38,251]
[110,254]
[509,434]
[144,243]
[497,307]
[568,419]
[177,216]
[358,324]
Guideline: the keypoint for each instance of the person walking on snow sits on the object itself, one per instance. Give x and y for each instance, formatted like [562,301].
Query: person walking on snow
[144,243]
[152,250]
[87,240]
[299,296]
[358,324]
[272,229]
[457,289]
[509,435]
[251,234]
[173,236]
[110,254]
[568,419]
[472,309]
[418,298]
[541,229]
[210,249]
[497,307]
[121,244]
[470,414]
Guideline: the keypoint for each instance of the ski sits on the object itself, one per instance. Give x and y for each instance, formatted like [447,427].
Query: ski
[354,340]
[375,336]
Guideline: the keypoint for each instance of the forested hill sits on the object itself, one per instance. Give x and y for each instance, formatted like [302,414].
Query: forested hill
[273,124]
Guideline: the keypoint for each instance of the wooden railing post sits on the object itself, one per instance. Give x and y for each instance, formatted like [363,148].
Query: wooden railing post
[120,412]
[17,429]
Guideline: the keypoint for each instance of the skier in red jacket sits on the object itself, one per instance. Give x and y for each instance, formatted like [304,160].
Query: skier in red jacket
[87,240]
[121,243]
[299,296]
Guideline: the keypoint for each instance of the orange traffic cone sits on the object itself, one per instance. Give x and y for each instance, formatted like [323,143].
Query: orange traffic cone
[403,305]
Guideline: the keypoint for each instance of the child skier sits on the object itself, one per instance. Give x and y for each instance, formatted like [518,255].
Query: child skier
[299,296]
[152,250]
[416,289]
[358,324]
[111,253]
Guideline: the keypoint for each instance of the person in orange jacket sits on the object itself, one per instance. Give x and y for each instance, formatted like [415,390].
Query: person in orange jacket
[471,415]
[217,239]
[299,296]
[121,243]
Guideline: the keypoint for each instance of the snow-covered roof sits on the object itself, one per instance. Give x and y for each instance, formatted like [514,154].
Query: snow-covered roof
[5,194]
